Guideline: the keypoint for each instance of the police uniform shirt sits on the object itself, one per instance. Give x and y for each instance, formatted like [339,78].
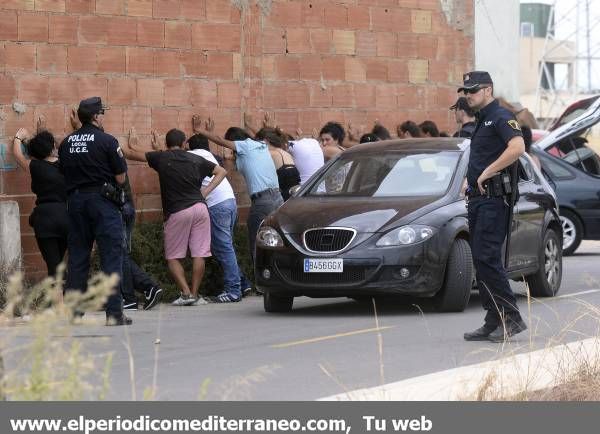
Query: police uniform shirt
[89,157]
[496,126]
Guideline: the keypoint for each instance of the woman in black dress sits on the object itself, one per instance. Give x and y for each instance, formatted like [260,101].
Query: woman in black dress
[49,218]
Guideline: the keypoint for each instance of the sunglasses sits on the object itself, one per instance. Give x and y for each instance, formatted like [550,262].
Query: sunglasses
[473,91]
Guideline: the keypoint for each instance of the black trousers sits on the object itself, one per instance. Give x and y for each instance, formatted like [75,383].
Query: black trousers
[53,251]
[487,226]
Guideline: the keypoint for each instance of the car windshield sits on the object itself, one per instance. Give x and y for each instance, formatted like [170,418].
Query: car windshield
[390,175]
[577,152]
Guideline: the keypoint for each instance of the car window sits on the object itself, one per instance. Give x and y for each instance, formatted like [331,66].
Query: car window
[555,170]
[394,174]
[576,152]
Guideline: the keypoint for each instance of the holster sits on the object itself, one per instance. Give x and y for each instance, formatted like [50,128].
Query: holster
[113,193]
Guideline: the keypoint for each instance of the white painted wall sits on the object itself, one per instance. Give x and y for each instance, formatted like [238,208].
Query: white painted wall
[497,44]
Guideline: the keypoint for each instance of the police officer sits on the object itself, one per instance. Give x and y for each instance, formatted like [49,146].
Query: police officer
[496,144]
[94,167]
[464,116]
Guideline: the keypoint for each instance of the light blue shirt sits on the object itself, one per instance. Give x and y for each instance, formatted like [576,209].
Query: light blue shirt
[254,162]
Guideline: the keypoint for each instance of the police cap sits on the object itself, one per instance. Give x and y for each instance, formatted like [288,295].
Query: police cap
[475,80]
[92,105]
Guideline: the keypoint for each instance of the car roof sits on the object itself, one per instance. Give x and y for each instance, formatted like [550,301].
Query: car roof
[425,144]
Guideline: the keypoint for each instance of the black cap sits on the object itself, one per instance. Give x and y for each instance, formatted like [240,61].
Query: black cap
[475,80]
[92,105]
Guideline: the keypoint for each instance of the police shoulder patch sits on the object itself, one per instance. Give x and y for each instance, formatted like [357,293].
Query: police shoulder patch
[120,151]
[514,125]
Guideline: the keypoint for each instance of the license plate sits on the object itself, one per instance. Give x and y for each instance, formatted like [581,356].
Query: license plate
[323,265]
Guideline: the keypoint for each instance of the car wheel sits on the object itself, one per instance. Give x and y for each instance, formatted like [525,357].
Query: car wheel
[546,281]
[454,295]
[277,303]
[572,231]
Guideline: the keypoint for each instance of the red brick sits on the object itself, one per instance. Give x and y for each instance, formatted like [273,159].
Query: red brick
[33,89]
[343,95]
[229,95]
[140,61]
[377,69]
[33,27]
[311,67]
[138,117]
[334,68]
[355,69]
[313,14]
[366,44]
[50,5]
[92,86]
[273,40]
[8,26]
[296,95]
[219,65]
[439,71]
[287,68]
[222,37]
[18,4]
[63,90]
[122,91]
[397,71]
[13,121]
[139,8]
[358,18]
[19,57]
[427,46]
[336,16]
[51,58]
[307,120]
[364,95]
[122,31]
[80,6]
[163,119]
[286,14]
[56,118]
[8,89]
[178,34]
[150,91]
[218,11]
[298,41]
[385,98]
[177,92]
[113,121]
[63,29]
[410,97]
[151,33]
[81,59]
[320,40]
[386,44]
[110,7]
[166,8]
[93,29]
[402,20]
[204,93]
[407,45]
[167,63]
[112,59]
[193,63]
[193,9]
[382,19]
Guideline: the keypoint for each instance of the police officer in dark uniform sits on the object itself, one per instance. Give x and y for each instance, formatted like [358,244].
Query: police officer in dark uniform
[464,116]
[94,168]
[496,144]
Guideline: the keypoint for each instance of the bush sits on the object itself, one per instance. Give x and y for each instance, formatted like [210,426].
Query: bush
[147,251]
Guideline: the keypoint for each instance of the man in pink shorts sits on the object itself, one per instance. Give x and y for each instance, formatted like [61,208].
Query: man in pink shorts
[187,224]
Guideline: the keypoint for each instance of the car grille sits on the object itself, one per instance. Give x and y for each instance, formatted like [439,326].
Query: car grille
[328,239]
[350,275]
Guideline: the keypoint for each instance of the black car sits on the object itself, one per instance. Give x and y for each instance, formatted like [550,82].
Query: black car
[389,218]
[572,167]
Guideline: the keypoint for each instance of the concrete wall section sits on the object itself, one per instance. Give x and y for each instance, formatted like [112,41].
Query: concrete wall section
[497,44]
[10,236]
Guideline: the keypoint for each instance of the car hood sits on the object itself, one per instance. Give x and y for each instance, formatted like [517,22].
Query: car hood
[364,214]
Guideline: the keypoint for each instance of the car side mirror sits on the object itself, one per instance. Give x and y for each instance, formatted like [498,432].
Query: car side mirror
[294,190]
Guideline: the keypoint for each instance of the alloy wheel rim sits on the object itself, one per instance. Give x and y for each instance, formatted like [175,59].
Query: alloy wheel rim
[569,232]
[551,262]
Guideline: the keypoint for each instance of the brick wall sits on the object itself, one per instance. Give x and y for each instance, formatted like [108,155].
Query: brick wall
[156,62]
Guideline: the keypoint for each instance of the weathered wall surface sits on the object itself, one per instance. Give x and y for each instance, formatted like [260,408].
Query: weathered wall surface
[158,62]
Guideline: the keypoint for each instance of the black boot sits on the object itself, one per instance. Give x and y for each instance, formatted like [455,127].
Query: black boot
[481,334]
[509,328]
[117,319]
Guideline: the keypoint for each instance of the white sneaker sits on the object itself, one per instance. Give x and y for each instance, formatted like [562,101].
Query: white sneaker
[184,300]
[200,301]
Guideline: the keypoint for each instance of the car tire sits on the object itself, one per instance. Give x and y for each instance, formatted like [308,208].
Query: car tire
[277,303]
[572,231]
[546,281]
[456,291]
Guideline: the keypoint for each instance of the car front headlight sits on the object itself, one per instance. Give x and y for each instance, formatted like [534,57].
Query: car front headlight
[268,237]
[405,235]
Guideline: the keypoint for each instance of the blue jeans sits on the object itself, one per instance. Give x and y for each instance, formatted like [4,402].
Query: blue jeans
[261,207]
[92,217]
[222,222]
